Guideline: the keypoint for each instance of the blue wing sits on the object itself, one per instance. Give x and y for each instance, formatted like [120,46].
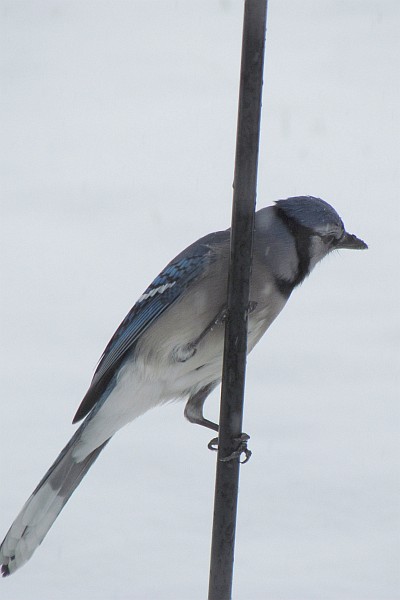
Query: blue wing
[160,295]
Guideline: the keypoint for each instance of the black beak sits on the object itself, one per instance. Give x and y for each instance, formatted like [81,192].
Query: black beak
[348,240]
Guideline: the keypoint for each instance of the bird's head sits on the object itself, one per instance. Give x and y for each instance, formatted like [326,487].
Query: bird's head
[316,227]
[316,230]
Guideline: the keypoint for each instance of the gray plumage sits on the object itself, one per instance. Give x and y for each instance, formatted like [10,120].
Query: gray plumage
[170,345]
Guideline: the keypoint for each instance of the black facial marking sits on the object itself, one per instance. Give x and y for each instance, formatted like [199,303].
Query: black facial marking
[302,238]
[284,286]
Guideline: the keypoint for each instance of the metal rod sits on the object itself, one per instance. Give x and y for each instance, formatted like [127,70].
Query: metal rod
[235,351]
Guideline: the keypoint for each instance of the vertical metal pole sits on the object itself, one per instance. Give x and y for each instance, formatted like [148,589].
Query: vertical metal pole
[235,352]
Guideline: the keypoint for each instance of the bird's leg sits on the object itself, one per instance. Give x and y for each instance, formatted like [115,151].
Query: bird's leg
[183,353]
[194,407]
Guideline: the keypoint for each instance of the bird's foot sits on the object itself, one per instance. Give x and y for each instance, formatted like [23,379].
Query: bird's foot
[241,449]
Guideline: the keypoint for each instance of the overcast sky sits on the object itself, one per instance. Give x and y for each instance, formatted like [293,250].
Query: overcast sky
[117,148]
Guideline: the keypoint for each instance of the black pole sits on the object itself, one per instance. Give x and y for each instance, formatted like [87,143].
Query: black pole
[235,352]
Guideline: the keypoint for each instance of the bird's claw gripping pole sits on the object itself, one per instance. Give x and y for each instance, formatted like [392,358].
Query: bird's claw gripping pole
[241,449]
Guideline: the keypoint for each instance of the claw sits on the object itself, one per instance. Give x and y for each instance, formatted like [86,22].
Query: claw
[242,449]
[213,444]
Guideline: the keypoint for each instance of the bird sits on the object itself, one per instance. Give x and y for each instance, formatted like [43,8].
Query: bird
[170,345]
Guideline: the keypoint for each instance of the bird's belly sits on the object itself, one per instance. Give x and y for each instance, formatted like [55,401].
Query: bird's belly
[204,366]
[183,365]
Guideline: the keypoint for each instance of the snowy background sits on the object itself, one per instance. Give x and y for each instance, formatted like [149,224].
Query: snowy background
[118,135]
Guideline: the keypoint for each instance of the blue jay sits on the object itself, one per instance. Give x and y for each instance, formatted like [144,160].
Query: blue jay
[170,345]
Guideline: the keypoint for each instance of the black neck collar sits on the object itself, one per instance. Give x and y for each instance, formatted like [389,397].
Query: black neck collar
[302,238]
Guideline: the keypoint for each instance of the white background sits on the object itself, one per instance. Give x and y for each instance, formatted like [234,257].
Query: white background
[118,136]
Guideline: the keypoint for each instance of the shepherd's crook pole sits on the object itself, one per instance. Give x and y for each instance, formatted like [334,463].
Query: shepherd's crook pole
[244,199]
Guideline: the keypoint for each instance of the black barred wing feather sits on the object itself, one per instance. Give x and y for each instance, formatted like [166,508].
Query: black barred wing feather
[164,291]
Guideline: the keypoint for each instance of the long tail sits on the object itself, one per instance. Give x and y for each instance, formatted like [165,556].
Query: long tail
[44,505]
